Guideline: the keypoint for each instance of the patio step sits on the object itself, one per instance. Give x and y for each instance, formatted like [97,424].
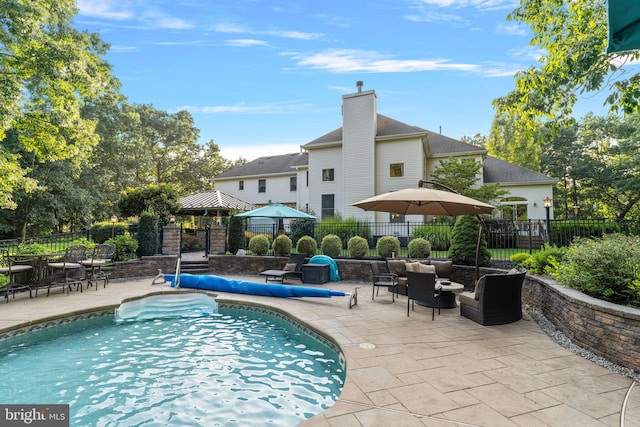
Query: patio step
[194,267]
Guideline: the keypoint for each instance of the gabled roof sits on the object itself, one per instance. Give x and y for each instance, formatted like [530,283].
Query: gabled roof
[386,127]
[269,165]
[440,144]
[499,171]
[213,200]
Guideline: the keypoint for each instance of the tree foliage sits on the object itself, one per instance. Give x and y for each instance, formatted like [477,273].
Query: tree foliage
[148,236]
[462,176]
[572,36]
[508,142]
[464,242]
[596,161]
[163,199]
[48,70]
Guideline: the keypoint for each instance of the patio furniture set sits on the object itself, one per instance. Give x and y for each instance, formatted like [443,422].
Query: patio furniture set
[495,300]
[69,269]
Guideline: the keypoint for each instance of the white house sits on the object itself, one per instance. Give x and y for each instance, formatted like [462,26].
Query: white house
[369,155]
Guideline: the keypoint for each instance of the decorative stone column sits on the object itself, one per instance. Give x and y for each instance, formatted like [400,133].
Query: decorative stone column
[218,240]
[171,239]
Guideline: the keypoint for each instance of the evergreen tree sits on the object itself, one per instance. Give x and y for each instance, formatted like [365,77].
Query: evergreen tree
[148,233]
[464,241]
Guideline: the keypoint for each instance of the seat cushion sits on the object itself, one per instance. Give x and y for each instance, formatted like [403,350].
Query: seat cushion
[397,267]
[290,266]
[412,266]
[427,268]
[443,268]
[479,289]
[469,298]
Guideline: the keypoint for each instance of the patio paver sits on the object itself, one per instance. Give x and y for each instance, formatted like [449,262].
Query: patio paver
[412,371]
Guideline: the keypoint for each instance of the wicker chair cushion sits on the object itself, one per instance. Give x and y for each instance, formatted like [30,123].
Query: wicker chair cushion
[427,268]
[413,266]
[479,288]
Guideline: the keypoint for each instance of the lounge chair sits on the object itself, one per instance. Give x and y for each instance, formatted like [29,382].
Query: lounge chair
[293,268]
[496,299]
[421,287]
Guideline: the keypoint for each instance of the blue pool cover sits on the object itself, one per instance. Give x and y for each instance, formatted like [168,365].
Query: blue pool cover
[221,284]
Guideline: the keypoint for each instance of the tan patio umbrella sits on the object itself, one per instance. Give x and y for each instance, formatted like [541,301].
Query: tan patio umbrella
[424,201]
[428,201]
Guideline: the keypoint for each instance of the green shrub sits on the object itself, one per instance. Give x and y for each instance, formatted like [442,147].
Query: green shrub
[236,240]
[331,245]
[523,260]
[464,241]
[344,228]
[419,248]
[563,232]
[282,245]
[103,230]
[307,245]
[358,247]
[190,242]
[300,228]
[437,234]
[259,244]
[31,248]
[388,246]
[607,268]
[126,247]
[148,233]
[546,259]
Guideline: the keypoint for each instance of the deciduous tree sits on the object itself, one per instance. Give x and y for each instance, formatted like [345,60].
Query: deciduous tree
[48,70]
[572,37]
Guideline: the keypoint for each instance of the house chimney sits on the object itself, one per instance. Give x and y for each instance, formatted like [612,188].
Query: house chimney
[359,85]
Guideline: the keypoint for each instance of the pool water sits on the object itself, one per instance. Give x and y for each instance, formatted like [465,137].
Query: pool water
[218,370]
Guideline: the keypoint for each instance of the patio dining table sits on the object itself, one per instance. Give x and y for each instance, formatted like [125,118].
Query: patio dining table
[39,263]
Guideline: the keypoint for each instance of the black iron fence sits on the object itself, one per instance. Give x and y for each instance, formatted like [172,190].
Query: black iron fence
[504,237]
[50,244]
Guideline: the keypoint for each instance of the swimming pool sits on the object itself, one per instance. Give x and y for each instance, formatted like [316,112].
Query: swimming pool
[246,365]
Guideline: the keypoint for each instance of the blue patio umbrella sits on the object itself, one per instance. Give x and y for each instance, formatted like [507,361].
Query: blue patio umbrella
[276,210]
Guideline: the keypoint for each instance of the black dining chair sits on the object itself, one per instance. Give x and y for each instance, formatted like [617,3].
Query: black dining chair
[384,280]
[8,267]
[101,256]
[69,268]
[421,287]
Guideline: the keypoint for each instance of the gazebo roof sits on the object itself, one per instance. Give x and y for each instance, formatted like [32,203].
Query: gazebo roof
[213,201]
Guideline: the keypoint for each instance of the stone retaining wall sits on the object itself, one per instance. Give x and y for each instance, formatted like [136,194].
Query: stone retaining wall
[607,330]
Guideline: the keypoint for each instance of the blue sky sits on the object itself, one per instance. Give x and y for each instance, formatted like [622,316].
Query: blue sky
[264,77]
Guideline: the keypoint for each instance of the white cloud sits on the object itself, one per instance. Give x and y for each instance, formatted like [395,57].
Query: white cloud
[512,29]
[240,29]
[120,11]
[477,4]
[106,9]
[293,34]
[242,108]
[350,61]
[246,42]
[230,28]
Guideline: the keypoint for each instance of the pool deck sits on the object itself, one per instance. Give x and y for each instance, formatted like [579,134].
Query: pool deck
[412,371]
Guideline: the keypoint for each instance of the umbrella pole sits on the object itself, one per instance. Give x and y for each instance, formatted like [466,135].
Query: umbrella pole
[483,227]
